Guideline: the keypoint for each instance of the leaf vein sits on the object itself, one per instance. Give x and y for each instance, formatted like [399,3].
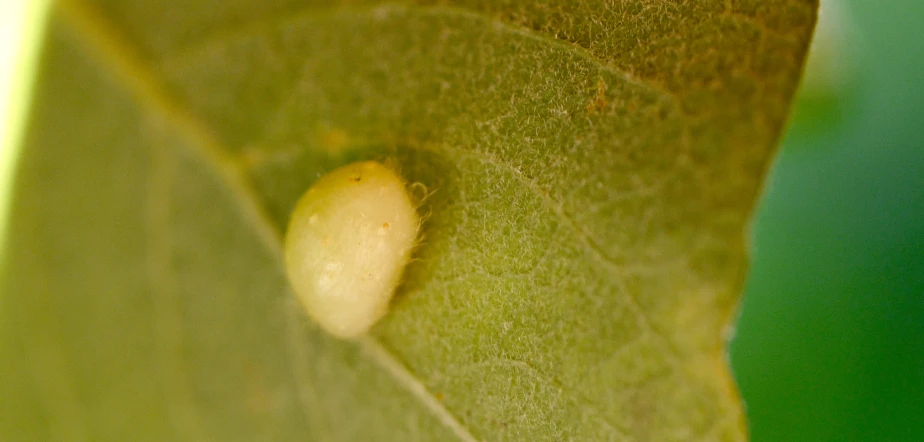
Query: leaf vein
[182,410]
[390,363]
[583,237]
[306,392]
[193,51]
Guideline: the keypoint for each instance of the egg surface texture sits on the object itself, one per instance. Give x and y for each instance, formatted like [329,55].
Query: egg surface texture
[348,241]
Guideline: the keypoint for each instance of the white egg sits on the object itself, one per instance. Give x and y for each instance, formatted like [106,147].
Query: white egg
[348,241]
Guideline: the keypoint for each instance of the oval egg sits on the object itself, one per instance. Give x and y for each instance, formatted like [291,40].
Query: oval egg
[348,241]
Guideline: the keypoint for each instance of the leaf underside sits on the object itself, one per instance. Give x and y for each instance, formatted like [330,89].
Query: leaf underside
[589,170]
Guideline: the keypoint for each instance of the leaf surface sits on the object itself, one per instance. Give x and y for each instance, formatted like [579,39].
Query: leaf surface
[588,167]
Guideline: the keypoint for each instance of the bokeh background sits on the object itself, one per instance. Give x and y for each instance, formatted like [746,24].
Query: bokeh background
[830,341]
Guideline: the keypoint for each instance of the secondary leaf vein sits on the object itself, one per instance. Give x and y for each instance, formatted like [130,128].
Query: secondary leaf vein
[182,410]
[194,50]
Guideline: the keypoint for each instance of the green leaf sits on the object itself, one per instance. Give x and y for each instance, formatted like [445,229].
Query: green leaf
[591,167]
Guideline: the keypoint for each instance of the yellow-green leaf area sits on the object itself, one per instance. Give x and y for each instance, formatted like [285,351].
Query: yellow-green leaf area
[587,170]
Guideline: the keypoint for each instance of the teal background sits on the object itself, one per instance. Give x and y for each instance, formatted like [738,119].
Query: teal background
[830,341]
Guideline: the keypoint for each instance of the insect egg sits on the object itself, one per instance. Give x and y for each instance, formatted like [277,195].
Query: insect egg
[347,243]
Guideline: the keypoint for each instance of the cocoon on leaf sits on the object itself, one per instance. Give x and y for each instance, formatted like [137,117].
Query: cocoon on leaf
[348,241]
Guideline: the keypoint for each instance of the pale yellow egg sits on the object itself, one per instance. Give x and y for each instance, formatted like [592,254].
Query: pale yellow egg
[348,241]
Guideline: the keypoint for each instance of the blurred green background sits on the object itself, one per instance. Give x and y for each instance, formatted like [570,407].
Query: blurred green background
[830,342]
